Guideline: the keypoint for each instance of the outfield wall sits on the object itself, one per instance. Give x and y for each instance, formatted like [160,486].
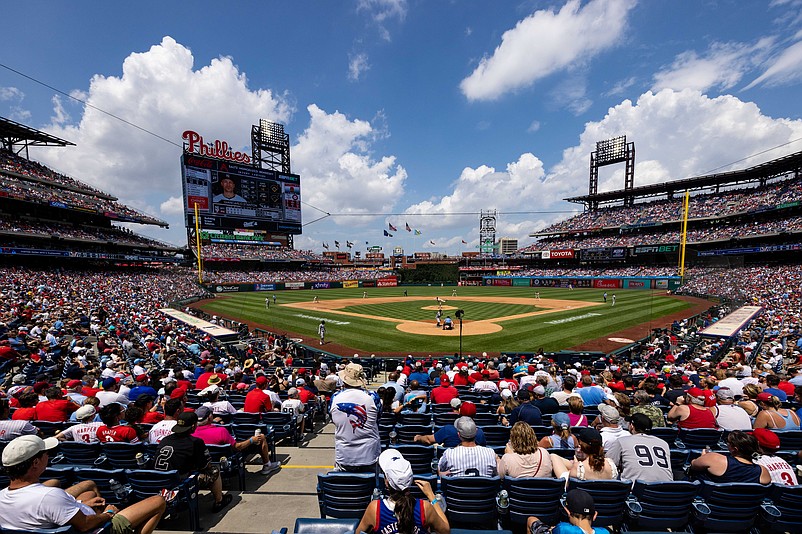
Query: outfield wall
[388,281]
[668,283]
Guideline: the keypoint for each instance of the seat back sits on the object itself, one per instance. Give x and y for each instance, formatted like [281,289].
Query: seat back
[734,506]
[496,435]
[664,505]
[444,419]
[471,501]
[122,455]
[542,431]
[699,438]
[485,419]
[147,482]
[424,419]
[307,525]
[78,452]
[64,474]
[788,500]
[667,434]
[406,433]
[344,495]
[246,418]
[609,497]
[790,440]
[243,431]
[419,456]
[103,478]
[539,497]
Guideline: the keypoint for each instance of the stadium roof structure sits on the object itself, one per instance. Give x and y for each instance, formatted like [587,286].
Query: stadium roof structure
[14,134]
[758,174]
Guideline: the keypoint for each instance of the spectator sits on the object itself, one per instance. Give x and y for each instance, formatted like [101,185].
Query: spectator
[28,504]
[294,406]
[399,511]
[10,429]
[56,408]
[738,466]
[507,405]
[643,404]
[546,405]
[692,414]
[151,414]
[589,462]
[443,393]
[641,456]
[581,512]
[142,388]
[592,395]
[112,430]
[419,374]
[172,409]
[28,400]
[780,471]
[611,428]
[212,434]
[561,437]
[211,396]
[257,401]
[522,455]
[414,399]
[355,412]
[773,415]
[526,411]
[569,383]
[730,416]
[392,381]
[86,429]
[448,436]
[110,393]
[186,454]
[575,407]
[467,459]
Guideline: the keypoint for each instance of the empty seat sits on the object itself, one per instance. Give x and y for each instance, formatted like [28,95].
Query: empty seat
[496,435]
[609,496]
[728,507]
[471,501]
[539,497]
[699,438]
[344,495]
[306,525]
[419,456]
[661,505]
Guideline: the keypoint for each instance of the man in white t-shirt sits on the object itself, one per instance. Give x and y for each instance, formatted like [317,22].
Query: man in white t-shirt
[355,414]
[730,416]
[732,383]
[86,430]
[27,504]
[781,471]
[294,406]
[611,429]
[110,393]
[172,409]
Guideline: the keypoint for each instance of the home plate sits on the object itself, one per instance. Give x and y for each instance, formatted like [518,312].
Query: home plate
[620,340]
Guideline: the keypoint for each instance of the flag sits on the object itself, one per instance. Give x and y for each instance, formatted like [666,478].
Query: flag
[337,244]
[408,228]
[349,244]
[387,234]
[417,232]
[432,242]
[392,228]
[464,242]
[326,246]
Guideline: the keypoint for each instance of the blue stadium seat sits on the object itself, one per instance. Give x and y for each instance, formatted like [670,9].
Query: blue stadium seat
[344,495]
[609,496]
[730,507]
[421,419]
[77,453]
[306,525]
[147,482]
[407,433]
[444,419]
[122,455]
[235,461]
[419,456]
[471,501]
[284,425]
[102,478]
[539,497]
[661,505]
[699,438]
[496,435]
[788,501]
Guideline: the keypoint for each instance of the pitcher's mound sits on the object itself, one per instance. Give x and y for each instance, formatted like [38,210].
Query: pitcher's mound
[472,328]
[435,308]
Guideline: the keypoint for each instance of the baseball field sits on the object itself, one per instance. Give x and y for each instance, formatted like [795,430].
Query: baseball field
[495,318]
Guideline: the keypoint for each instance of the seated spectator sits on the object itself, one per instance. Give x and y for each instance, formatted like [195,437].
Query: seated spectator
[414,399]
[507,405]
[749,402]
[641,456]
[399,511]
[172,409]
[581,512]
[467,459]
[773,387]
[56,408]
[257,401]
[738,466]
[643,404]
[444,392]
[592,395]
[142,388]
[28,399]
[522,455]
[27,504]
[110,393]
[561,437]
[187,454]
[730,416]
[569,383]
[112,430]
[212,434]
[211,397]
[575,408]
[589,462]
[526,411]
[10,429]
[151,414]
[86,429]
[448,436]
[610,425]
[780,471]
[546,405]
[773,415]
[133,416]
[692,414]
[294,406]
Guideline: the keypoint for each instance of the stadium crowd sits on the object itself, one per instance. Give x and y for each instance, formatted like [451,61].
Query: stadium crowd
[113,234]
[14,163]
[262,252]
[290,275]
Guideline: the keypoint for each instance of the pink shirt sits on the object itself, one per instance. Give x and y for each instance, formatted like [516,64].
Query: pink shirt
[214,435]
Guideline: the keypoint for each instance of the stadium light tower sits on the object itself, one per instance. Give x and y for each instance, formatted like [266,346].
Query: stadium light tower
[608,152]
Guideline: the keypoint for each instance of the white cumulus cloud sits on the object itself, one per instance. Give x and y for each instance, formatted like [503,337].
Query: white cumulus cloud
[547,42]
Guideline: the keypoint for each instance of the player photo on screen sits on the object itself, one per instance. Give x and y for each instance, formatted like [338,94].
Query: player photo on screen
[227,188]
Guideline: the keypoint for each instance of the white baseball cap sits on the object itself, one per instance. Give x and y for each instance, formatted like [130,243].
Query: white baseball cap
[26,447]
[397,470]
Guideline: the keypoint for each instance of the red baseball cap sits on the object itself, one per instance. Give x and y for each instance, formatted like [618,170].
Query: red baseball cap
[261,380]
[74,383]
[766,397]
[302,370]
[178,393]
[695,392]
[444,381]
[767,439]
[467,409]
[530,369]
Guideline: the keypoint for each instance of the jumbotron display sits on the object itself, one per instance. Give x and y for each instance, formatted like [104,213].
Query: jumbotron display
[231,195]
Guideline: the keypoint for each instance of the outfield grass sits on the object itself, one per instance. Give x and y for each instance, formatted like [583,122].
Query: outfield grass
[551,331]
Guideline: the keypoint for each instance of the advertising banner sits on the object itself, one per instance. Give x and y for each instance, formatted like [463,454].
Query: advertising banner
[635,283]
[321,285]
[293,285]
[607,283]
[560,254]
[502,281]
[520,282]
[369,283]
[582,282]
[387,282]
[661,284]
[219,288]
[264,287]
[545,282]
[348,284]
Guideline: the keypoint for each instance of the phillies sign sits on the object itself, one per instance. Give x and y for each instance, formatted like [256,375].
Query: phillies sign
[218,149]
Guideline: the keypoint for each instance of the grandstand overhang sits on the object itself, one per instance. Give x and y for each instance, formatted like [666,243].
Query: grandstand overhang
[16,137]
[758,174]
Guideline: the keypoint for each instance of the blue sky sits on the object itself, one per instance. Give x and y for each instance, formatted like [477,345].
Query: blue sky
[426,109]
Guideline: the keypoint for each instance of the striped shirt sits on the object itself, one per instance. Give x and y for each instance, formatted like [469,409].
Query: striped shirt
[469,461]
[85,432]
[11,429]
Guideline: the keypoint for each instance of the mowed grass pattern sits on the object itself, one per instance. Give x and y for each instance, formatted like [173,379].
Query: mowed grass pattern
[572,327]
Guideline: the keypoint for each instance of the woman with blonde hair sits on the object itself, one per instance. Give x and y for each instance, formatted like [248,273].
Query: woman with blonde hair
[748,403]
[507,405]
[589,462]
[576,405]
[772,415]
[522,456]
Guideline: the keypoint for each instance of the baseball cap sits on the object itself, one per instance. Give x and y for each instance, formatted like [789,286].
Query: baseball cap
[178,393]
[397,470]
[466,428]
[74,383]
[455,403]
[641,422]
[588,435]
[765,397]
[580,502]
[84,411]
[185,422]
[209,390]
[445,382]
[203,412]
[467,409]
[561,420]
[767,439]
[506,394]
[608,413]
[539,390]
[26,447]
[725,394]
[19,378]
[261,380]
[292,391]
[109,382]
[142,377]
[300,382]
